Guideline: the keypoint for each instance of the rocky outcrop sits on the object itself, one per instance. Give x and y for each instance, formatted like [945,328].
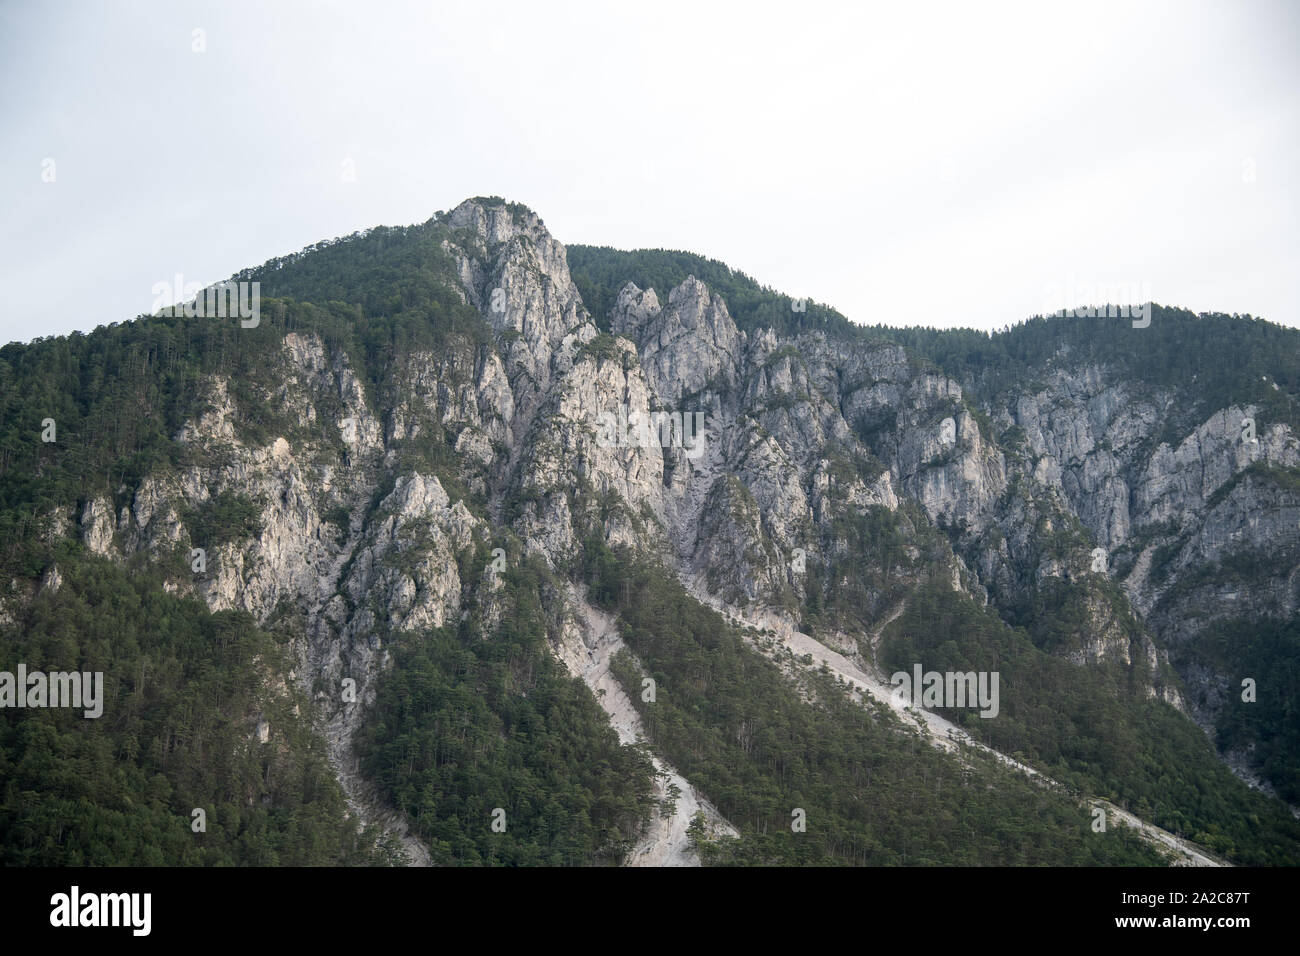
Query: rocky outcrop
[1164,512]
[517,275]
[688,347]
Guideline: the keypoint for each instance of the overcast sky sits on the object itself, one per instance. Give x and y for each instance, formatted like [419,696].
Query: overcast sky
[939,164]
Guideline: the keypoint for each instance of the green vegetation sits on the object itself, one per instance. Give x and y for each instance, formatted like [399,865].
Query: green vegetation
[467,722]
[846,592]
[1266,729]
[397,283]
[1287,479]
[185,686]
[1211,361]
[119,394]
[738,729]
[1094,729]
[1241,566]
[224,517]
[600,273]
[601,347]
[183,691]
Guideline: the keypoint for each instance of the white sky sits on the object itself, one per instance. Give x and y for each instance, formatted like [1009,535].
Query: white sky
[940,164]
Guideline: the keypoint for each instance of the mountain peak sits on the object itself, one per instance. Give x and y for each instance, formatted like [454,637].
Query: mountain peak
[496,221]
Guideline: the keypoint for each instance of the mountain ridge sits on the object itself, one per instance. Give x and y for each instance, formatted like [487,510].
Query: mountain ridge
[440,401]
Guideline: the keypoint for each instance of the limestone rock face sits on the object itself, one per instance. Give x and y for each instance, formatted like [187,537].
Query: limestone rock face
[687,346]
[97,526]
[517,275]
[1100,447]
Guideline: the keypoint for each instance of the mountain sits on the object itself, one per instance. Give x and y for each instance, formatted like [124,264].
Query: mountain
[475,549]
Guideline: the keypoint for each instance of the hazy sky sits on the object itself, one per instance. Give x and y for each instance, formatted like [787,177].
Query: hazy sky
[942,164]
